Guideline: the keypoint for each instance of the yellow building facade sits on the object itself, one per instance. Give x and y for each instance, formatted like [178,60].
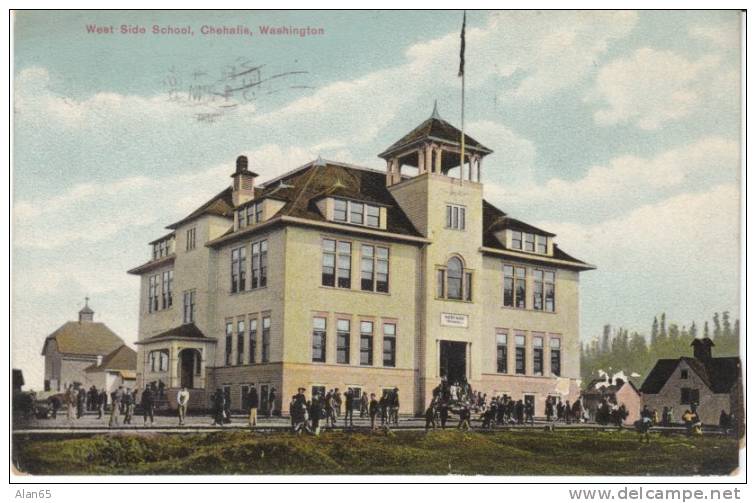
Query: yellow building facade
[337,276]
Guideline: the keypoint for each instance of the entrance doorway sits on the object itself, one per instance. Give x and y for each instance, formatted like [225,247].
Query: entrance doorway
[187,364]
[453,361]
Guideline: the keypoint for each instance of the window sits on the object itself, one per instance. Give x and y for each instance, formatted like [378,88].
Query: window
[265,339]
[318,339]
[241,218]
[455,217]
[240,334]
[259,264]
[366,343]
[252,339]
[454,279]
[520,352]
[328,277]
[249,215]
[374,268]
[541,244]
[229,341]
[258,212]
[389,345]
[517,240]
[343,330]
[152,300]
[514,286]
[191,239]
[454,282]
[189,306]
[688,396]
[549,286]
[238,269]
[683,373]
[167,289]
[356,213]
[538,355]
[340,210]
[501,351]
[159,360]
[537,290]
[556,356]
[344,271]
[529,242]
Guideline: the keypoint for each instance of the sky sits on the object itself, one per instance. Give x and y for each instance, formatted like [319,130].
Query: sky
[619,131]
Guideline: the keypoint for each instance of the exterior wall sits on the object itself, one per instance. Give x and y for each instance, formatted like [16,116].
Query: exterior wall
[72,369]
[709,407]
[52,366]
[632,400]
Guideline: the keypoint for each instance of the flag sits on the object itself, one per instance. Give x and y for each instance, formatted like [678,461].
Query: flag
[462,46]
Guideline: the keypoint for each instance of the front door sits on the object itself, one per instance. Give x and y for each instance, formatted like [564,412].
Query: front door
[187,368]
[453,361]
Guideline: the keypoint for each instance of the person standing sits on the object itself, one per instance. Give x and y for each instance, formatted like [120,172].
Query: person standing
[316,412]
[115,400]
[430,416]
[337,402]
[218,407]
[102,402]
[271,401]
[81,401]
[148,406]
[464,418]
[443,413]
[364,403]
[373,408]
[395,406]
[349,412]
[128,406]
[182,399]
[253,402]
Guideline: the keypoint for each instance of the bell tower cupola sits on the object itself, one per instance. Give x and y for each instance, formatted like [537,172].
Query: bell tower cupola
[434,147]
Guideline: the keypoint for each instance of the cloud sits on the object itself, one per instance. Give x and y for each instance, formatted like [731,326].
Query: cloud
[649,88]
[720,35]
[626,181]
[514,156]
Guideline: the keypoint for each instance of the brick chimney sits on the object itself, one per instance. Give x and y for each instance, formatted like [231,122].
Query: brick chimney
[244,182]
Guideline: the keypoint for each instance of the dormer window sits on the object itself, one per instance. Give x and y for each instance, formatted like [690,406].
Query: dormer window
[353,212]
[162,248]
[529,242]
[249,215]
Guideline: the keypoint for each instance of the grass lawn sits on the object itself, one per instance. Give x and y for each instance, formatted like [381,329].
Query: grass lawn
[403,452]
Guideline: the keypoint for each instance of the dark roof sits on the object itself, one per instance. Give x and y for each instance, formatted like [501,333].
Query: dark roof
[186,331]
[84,338]
[301,189]
[18,378]
[220,205]
[434,128]
[121,358]
[719,374]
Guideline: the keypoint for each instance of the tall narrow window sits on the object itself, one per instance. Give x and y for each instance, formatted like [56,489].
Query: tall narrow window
[454,279]
[367,268]
[441,283]
[374,268]
[373,216]
[538,355]
[541,244]
[501,351]
[229,342]
[191,239]
[241,217]
[252,340]
[167,289]
[258,213]
[318,339]
[519,353]
[238,269]
[265,357]
[240,334]
[344,272]
[329,263]
[519,287]
[537,290]
[529,242]
[548,286]
[509,291]
[251,214]
[340,210]
[342,340]
[152,299]
[556,355]
[517,240]
[468,286]
[189,306]
[389,345]
[259,264]
[366,343]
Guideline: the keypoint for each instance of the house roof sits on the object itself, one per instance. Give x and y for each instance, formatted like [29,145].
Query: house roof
[220,205]
[84,338]
[434,128]
[186,331]
[122,358]
[719,374]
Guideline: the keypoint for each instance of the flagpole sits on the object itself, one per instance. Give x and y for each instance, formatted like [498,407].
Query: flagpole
[462,74]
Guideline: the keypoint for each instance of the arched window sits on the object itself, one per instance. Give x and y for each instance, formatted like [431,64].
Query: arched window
[454,281]
[454,278]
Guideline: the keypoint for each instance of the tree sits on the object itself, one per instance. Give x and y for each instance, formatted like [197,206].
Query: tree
[706,330]
[726,328]
[663,327]
[654,332]
[717,326]
[605,339]
[693,333]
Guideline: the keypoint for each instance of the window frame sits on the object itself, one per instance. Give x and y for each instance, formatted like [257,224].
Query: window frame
[389,362]
[456,218]
[252,335]
[375,261]
[189,306]
[520,352]
[366,343]
[241,334]
[229,343]
[356,213]
[343,341]
[319,335]
[266,324]
[555,354]
[502,351]
[466,281]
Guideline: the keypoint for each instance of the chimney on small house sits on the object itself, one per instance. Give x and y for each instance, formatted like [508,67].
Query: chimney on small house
[86,315]
[702,348]
[99,360]
[244,182]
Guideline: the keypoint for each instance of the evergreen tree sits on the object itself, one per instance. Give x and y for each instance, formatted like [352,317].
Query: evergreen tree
[663,327]
[706,330]
[693,333]
[654,332]
[605,339]
[726,328]
[717,327]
